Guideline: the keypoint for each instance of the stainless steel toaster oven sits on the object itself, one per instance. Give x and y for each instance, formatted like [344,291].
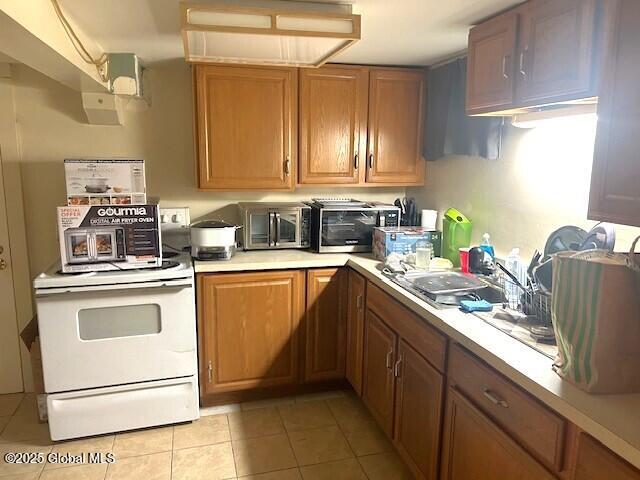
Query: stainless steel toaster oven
[346,225]
[275,225]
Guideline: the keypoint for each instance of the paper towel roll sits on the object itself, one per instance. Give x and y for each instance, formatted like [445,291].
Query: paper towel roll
[429,219]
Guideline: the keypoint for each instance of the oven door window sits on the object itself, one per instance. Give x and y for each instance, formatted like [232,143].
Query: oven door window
[79,246]
[288,227]
[347,227]
[259,231]
[105,245]
[119,321]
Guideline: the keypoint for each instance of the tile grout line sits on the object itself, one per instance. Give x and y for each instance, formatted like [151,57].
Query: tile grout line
[348,443]
[347,439]
[286,433]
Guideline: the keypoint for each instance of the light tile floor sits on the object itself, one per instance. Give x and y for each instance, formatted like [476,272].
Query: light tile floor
[312,437]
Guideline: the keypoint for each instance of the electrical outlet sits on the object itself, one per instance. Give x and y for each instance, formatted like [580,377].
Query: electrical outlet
[174,218]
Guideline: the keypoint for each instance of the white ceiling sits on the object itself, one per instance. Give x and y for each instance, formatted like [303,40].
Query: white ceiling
[394,32]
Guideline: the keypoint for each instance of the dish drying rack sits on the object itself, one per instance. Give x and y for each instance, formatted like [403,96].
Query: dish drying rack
[532,300]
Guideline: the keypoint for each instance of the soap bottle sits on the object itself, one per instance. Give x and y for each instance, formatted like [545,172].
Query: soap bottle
[486,245]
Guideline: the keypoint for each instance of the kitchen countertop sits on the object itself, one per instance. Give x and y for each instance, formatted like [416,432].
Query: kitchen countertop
[612,419]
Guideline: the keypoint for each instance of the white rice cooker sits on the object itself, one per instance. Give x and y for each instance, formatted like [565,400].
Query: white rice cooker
[213,240]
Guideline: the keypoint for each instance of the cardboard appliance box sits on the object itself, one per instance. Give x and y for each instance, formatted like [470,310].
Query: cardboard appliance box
[110,237]
[105,181]
[387,240]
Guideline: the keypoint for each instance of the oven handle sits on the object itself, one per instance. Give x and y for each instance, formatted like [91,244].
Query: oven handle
[168,284]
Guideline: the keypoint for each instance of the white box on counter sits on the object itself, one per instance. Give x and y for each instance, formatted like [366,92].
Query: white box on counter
[109,237]
[105,181]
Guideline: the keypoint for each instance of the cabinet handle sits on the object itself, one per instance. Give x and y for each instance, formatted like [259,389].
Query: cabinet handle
[495,399]
[390,359]
[359,302]
[287,166]
[397,372]
[371,160]
[210,371]
[356,161]
[504,66]
[522,65]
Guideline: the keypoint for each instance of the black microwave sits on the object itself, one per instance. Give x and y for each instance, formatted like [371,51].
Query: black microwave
[346,225]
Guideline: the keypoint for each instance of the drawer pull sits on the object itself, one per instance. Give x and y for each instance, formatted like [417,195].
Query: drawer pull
[210,371]
[359,302]
[495,399]
[389,359]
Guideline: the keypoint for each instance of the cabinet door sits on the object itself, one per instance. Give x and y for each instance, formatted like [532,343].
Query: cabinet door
[615,196]
[355,329]
[246,127]
[475,448]
[333,125]
[326,324]
[419,395]
[379,357]
[595,462]
[248,326]
[556,52]
[396,108]
[491,64]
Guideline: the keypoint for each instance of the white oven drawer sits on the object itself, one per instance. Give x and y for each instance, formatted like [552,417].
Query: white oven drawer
[127,407]
[93,339]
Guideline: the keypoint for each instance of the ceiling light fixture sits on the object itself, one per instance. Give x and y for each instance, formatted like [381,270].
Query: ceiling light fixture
[229,34]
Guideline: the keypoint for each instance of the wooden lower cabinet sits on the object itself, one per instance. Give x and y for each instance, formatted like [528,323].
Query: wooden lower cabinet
[596,462]
[326,324]
[419,396]
[379,357]
[249,329]
[476,448]
[355,329]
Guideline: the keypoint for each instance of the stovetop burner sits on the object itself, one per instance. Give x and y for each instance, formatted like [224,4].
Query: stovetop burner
[169,254]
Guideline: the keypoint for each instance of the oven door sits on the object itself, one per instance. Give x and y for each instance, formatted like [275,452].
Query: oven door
[287,228]
[259,228]
[110,335]
[79,245]
[347,228]
[108,244]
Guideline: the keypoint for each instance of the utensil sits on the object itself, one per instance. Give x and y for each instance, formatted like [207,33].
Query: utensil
[543,276]
[513,278]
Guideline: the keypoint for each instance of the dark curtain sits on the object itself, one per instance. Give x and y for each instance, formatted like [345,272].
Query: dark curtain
[448,129]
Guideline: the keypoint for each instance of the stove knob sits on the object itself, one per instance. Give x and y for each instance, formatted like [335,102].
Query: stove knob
[3,264]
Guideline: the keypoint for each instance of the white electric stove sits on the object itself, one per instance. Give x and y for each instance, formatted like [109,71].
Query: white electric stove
[119,348]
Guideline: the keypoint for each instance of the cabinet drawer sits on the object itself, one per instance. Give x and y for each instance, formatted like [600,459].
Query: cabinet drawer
[534,426]
[431,344]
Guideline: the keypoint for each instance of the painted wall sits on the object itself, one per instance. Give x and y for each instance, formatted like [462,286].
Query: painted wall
[52,127]
[541,182]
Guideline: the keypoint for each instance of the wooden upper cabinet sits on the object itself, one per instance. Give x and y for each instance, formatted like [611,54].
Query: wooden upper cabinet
[379,382]
[419,398]
[475,448]
[248,329]
[596,462]
[615,178]
[326,324]
[491,64]
[246,127]
[333,125]
[396,106]
[556,51]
